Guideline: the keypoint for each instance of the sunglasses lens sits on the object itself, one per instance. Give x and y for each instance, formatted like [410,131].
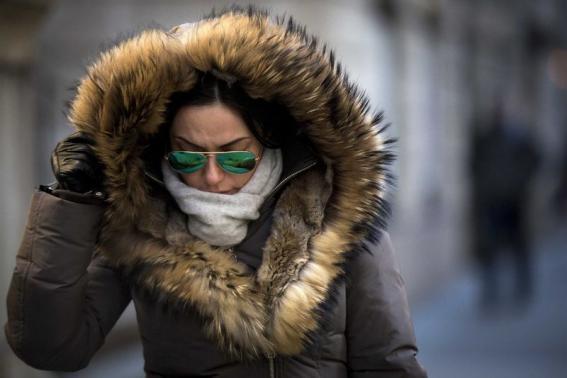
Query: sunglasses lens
[186,162]
[237,162]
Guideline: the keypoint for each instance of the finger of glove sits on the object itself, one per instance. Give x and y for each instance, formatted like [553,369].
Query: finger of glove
[73,173]
[67,147]
[76,142]
[78,138]
[67,153]
[76,181]
[77,157]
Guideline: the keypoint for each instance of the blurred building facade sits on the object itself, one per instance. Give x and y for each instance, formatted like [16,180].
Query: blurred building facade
[435,67]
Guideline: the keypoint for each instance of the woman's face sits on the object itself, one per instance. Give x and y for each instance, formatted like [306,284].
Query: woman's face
[212,128]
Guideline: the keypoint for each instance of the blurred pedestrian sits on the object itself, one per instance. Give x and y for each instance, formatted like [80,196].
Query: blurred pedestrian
[559,200]
[504,159]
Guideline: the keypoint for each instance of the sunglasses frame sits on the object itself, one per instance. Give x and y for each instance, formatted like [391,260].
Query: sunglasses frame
[215,153]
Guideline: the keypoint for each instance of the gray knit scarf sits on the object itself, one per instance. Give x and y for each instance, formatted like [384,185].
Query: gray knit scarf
[222,219]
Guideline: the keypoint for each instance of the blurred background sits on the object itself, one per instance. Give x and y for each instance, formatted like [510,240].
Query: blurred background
[476,92]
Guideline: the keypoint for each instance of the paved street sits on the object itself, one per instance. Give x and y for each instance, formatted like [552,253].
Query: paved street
[457,340]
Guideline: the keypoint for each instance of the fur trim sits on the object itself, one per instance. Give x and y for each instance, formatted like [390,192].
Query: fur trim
[121,104]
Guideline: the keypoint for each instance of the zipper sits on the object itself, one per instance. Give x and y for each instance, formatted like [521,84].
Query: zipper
[154,179]
[232,254]
[272,370]
[281,183]
[271,361]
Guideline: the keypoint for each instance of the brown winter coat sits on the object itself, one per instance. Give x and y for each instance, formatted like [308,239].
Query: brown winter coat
[312,291]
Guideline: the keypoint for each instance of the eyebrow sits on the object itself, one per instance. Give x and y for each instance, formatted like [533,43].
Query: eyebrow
[203,148]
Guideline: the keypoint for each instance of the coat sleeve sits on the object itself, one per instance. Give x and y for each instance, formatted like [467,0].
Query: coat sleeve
[61,301]
[380,336]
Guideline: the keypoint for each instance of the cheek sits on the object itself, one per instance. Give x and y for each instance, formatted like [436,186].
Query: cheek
[194,180]
[238,181]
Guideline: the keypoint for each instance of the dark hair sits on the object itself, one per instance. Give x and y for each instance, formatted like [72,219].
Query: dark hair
[269,122]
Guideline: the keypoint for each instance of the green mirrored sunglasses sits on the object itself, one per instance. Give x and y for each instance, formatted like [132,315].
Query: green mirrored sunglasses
[235,162]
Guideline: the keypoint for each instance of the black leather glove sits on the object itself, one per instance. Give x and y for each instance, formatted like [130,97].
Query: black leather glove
[75,166]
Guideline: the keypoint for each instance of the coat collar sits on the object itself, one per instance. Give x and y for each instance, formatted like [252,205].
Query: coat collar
[271,310]
[320,217]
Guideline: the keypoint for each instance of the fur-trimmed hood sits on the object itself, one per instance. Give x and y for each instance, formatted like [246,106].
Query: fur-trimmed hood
[322,216]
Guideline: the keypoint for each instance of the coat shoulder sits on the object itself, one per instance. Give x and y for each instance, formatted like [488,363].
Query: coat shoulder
[374,255]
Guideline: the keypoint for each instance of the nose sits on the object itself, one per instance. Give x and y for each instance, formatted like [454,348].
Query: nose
[213,174]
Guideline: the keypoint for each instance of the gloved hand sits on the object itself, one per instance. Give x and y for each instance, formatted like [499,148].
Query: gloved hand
[75,166]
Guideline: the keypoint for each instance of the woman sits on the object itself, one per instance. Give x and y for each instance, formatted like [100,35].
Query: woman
[231,182]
